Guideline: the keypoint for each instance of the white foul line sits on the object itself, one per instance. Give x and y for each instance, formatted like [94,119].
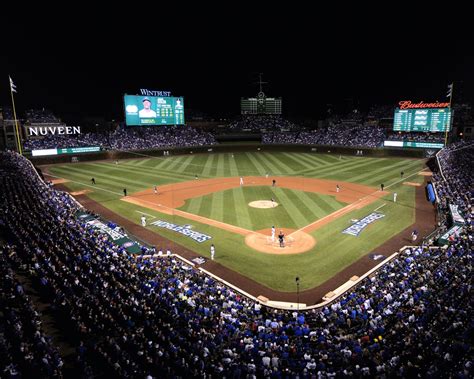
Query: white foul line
[383,205]
[146,214]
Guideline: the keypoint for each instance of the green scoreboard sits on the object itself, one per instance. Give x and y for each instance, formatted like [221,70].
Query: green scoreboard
[260,105]
[422,120]
[153,110]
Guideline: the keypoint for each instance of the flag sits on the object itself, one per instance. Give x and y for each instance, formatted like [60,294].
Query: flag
[12,85]
[450,90]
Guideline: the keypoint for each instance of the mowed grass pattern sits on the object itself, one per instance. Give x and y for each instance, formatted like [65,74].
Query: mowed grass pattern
[333,251]
[295,210]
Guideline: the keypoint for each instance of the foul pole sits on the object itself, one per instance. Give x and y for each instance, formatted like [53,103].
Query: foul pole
[17,132]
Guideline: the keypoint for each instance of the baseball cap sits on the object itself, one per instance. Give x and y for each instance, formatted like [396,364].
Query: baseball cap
[146,99]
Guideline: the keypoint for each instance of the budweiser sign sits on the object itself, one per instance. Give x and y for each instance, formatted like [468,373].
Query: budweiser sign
[407,104]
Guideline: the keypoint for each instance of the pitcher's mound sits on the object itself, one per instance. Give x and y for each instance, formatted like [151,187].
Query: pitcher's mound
[263,204]
[295,242]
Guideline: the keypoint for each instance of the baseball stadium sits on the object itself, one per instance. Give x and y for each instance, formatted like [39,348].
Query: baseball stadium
[169,242]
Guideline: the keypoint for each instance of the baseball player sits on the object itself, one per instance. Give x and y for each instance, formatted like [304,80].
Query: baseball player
[213,251]
[281,238]
[93,180]
[155,190]
[241,181]
[337,188]
[273,233]
[273,203]
[143,218]
[394,197]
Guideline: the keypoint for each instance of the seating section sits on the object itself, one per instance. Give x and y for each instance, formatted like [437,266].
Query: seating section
[158,317]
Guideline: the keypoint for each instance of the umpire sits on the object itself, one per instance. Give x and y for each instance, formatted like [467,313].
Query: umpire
[281,238]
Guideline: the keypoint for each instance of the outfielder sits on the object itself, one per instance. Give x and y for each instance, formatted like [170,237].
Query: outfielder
[143,220]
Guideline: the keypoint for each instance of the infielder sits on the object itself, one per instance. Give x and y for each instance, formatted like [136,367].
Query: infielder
[143,220]
[241,181]
[155,190]
[337,188]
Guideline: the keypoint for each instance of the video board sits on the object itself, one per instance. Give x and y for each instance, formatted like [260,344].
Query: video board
[153,110]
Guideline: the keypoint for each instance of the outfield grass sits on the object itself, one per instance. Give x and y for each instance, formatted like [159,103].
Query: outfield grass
[333,250]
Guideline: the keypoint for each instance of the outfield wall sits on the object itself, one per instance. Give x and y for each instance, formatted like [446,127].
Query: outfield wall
[235,148]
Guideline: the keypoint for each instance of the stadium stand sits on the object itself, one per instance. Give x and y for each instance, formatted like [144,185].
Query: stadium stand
[128,139]
[25,351]
[334,135]
[41,116]
[257,123]
[158,317]
[416,137]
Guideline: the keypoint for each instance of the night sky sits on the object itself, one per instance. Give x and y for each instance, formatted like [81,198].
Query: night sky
[81,67]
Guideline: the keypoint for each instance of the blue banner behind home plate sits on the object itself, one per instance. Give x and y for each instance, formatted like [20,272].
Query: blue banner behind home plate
[355,229]
[183,229]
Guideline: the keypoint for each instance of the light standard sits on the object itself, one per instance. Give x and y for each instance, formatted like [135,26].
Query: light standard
[298,293]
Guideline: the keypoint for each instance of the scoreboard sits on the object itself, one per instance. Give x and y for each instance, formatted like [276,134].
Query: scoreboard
[153,110]
[260,105]
[422,120]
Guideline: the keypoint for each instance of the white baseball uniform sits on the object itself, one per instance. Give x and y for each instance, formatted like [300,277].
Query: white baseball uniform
[143,221]
[213,252]
[273,234]
[241,181]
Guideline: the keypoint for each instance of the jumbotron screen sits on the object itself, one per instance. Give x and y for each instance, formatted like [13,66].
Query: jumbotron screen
[422,120]
[152,110]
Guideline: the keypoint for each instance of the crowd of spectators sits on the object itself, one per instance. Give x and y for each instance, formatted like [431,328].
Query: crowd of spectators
[416,137]
[454,179]
[73,140]
[25,350]
[262,122]
[157,137]
[41,116]
[138,138]
[333,135]
[159,317]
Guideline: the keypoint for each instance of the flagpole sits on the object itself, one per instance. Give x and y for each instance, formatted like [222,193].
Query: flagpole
[18,139]
[451,118]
